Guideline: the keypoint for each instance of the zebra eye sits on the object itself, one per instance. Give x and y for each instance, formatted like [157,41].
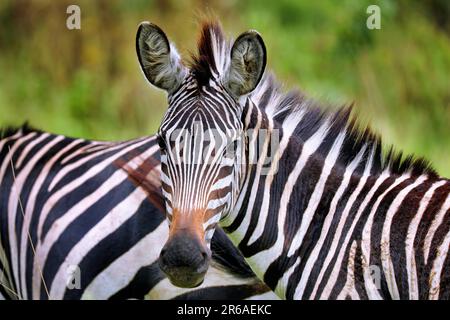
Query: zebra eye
[232,147]
[161,143]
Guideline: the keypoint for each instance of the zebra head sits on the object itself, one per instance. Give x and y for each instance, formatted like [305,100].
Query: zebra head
[201,137]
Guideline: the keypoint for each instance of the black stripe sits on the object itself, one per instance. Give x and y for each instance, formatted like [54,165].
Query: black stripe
[146,219]
[82,224]
[144,281]
[399,230]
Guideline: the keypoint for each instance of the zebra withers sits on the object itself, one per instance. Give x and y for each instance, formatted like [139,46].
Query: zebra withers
[76,221]
[315,205]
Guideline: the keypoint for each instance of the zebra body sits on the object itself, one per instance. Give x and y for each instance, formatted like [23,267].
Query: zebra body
[312,202]
[72,205]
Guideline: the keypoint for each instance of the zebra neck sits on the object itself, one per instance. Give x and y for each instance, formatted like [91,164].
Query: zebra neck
[277,201]
[286,199]
[311,216]
[259,227]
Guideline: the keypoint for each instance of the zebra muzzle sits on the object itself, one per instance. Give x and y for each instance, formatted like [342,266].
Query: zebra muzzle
[185,260]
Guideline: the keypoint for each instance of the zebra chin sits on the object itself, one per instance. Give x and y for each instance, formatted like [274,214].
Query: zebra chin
[184,278]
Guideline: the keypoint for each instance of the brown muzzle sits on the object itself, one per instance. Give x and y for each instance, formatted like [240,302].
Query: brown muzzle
[185,256]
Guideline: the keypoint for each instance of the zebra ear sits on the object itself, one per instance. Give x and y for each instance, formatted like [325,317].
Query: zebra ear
[159,60]
[248,60]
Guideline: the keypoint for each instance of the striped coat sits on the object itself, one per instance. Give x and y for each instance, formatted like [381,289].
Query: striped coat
[75,223]
[316,206]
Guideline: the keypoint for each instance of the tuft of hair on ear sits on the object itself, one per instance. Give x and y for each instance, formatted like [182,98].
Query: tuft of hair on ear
[204,62]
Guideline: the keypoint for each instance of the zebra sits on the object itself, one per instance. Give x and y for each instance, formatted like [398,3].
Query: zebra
[77,223]
[314,203]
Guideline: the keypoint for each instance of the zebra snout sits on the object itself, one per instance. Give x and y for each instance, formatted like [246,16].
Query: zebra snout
[185,261]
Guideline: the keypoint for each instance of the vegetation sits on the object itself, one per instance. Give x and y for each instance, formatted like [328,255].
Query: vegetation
[87,82]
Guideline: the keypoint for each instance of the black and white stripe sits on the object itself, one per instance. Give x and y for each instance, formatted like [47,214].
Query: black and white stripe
[339,215]
[323,213]
[76,203]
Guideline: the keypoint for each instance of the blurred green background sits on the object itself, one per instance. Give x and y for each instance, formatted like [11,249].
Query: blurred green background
[87,82]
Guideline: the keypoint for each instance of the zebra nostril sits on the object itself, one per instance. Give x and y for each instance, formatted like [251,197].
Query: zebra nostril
[162,254]
[205,255]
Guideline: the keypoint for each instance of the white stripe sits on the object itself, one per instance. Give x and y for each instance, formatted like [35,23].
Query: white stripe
[29,209]
[437,221]
[316,196]
[438,266]
[339,229]
[216,203]
[28,148]
[165,179]
[43,247]
[269,295]
[122,271]
[264,211]
[312,258]
[263,259]
[221,184]
[409,242]
[14,203]
[282,285]
[6,161]
[349,287]
[209,234]
[386,260]
[371,289]
[5,140]
[110,223]
[70,167]
[91,147]
[214,219]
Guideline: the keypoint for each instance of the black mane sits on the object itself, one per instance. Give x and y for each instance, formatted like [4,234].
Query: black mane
[204,63]
[9,131]
[314,114]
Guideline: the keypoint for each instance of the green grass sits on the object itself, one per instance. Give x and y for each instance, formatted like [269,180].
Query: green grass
[87,83]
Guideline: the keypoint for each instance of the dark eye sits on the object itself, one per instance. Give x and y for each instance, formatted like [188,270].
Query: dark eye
[232,147]
[161,143]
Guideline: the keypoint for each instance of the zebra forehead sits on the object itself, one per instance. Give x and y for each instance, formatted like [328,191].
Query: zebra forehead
[207,122]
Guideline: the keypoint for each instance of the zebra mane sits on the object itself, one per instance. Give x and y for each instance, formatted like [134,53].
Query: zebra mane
[302,114]
[213,55]
[6,132]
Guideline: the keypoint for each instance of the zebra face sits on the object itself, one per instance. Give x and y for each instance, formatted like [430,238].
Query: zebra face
[201,138]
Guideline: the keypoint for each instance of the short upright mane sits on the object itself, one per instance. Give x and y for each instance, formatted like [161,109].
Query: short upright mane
[213,53]
[307,115]
[10,131]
